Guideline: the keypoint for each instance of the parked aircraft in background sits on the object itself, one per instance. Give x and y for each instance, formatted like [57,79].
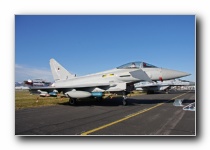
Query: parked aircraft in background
[151,87]
[21,86]
[120,79]
[28,83]
[37,82]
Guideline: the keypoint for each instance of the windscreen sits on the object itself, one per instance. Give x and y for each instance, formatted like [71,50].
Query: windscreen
[136,65]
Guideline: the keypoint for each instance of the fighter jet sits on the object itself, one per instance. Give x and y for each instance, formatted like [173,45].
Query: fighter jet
[152,87]
[117,80]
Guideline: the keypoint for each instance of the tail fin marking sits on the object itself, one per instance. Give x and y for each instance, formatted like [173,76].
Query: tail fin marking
[59,72]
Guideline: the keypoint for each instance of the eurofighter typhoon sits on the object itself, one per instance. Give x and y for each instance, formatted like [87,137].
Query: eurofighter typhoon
[118,80]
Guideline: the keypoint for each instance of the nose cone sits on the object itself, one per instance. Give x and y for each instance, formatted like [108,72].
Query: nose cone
[172,74]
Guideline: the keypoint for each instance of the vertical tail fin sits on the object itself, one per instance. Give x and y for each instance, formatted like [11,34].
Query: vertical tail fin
[59,72]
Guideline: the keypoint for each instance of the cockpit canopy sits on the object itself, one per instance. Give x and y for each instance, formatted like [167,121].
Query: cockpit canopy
[137,65]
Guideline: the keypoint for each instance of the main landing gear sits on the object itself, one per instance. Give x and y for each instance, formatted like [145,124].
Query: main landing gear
[72,101]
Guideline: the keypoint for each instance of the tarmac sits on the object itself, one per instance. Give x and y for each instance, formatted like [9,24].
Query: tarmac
[145,115]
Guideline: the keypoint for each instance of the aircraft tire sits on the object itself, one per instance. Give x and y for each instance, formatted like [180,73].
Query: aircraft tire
[99,99]
[72,101]
[150,92]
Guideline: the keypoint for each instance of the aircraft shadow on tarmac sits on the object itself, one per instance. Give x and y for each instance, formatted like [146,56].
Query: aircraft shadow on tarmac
[172,92]
[118,102]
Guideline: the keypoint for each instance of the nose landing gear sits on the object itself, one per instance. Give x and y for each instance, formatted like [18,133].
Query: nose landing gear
[125,102]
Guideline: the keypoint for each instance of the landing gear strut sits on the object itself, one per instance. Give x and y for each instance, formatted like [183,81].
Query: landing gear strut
[167,91]
[124,99]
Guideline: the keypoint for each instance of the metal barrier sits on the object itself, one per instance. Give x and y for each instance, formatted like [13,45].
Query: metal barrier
[178,102]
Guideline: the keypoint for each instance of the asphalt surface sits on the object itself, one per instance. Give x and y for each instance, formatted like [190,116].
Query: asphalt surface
[144,115]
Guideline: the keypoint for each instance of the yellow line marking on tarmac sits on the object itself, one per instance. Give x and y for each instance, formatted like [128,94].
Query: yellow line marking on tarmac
[127,117]
[179,96]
